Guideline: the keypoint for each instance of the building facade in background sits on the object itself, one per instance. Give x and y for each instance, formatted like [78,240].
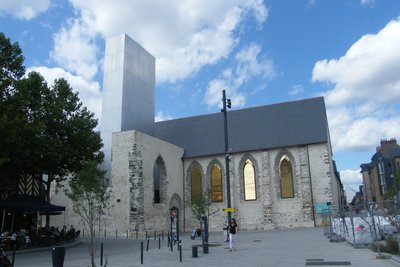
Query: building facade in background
[379,174]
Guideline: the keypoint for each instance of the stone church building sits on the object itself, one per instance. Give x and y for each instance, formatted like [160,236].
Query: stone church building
[281,167]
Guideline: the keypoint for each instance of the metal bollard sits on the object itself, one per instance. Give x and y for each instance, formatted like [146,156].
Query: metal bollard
[194,251]
[127,234]
[13,256]
[159,242]
[155,234]
[58,255]
[180,250]
[147,247]
[141,252]
[101,254]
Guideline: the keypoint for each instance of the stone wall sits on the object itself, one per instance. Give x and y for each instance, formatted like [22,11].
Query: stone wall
[312,174]
[134,157]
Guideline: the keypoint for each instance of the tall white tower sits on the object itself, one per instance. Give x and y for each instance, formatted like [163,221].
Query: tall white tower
[128,91]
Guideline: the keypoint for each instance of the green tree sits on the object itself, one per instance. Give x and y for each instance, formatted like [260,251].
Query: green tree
[11,65]
[90,198]
[43,130]
[200,205]
[392,207]
[11,69]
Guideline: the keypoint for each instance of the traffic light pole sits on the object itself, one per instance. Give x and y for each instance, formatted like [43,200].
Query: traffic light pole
[228,181]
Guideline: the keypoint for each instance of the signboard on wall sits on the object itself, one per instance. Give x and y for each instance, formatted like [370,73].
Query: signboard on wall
[322,207]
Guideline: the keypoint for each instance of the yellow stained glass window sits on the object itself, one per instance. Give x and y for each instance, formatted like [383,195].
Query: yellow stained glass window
[196,183]
[249,181]
[286,178]
[216,184]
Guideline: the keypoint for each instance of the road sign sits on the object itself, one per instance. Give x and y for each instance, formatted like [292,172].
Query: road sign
[229,209]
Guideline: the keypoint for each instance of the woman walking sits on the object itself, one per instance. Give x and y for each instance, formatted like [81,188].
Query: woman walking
[232,234]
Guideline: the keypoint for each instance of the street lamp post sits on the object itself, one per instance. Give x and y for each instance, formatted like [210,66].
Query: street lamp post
[227,104]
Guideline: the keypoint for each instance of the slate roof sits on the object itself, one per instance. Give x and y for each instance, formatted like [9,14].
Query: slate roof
[286,124]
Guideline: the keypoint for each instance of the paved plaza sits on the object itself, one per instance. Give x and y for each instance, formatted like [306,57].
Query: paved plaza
[286,248]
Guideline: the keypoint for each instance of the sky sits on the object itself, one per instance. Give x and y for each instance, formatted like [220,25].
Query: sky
[260,52]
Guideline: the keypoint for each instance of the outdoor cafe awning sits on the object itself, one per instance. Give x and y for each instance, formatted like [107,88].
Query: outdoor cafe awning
[27,203]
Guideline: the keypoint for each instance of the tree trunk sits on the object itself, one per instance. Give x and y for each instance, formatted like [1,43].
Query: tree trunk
[48,200]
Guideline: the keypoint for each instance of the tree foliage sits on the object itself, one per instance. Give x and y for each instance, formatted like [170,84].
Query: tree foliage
[200,205]
[392,207]
[11,69]
[44,130]
[90,198]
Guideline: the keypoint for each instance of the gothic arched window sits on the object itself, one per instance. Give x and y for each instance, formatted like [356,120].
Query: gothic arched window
[286,176]
[156,181]
[249,181]
[216,184]
[159,181]
[196,191]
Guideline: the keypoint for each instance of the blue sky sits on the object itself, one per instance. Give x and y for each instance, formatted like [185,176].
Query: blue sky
[261,52]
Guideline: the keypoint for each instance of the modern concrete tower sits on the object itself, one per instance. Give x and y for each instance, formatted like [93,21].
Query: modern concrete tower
[128,91]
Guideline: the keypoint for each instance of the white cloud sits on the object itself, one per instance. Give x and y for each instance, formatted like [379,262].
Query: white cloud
[89,92]
[363,104]
[248,64]
[75,50]
[296,89]
[24,9]
[160,116]
[191,33]
[367,2]
[351,178]
[370,65]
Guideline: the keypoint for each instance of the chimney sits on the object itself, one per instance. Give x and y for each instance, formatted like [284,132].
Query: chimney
[387,145]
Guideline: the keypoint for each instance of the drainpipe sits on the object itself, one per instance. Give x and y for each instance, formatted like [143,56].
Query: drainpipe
[183,198]
[311,188]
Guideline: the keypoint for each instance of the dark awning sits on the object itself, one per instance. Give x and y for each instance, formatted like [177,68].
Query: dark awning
[28,203]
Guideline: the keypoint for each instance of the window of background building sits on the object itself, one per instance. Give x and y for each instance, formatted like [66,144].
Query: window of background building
[249,181]
[216,184]
[286,176]
[196,183]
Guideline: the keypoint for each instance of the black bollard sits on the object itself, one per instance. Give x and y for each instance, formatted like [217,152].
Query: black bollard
[155,235]
[147,247]
[116,233]
[168,240]
[180,251]
[162,234]
[101,254]
[13,256]
[159,242]
[105,233]
[194,251]
[141,252]
[58,255]
[146,234]
[127,234]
